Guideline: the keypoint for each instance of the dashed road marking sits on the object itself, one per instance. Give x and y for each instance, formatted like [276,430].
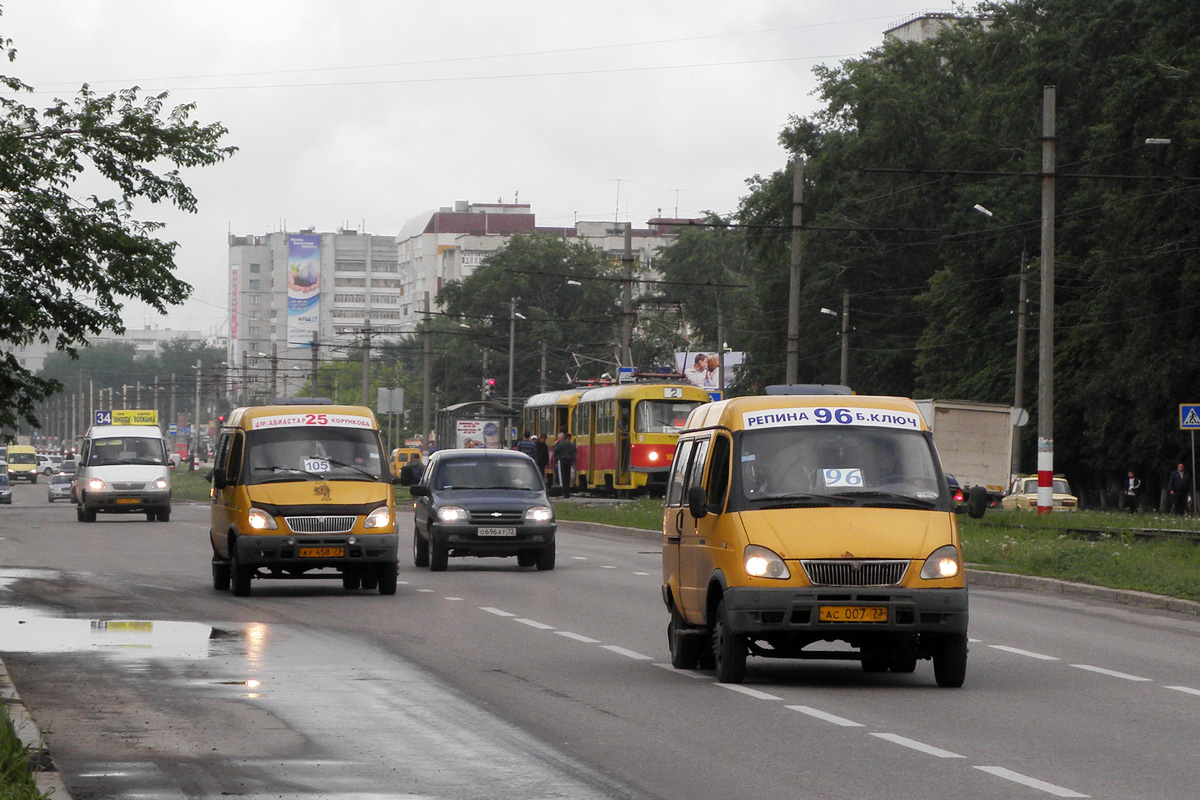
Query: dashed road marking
[746,690]
[541,626]
[686,673]
[627,653]
[835,719]
[498,612]
[1110,672]
[1021,652]
[1186,689]
[578,637]
[1033,783]
[928,749]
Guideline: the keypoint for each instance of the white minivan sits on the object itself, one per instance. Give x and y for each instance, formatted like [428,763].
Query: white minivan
[123,469]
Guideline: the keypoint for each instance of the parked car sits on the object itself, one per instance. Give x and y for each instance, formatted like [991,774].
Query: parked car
[477,502]
[5,490]
[1023,494]
[59,487]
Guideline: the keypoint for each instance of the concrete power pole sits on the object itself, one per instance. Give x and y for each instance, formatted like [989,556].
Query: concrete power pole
[1045,456]
[793,331]
[426,378]
[627,299]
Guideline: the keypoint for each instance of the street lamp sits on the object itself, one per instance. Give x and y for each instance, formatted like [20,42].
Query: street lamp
[845,334]
[1020,417]
[513,316]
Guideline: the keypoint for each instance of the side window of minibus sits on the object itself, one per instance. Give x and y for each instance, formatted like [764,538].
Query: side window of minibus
[696,473]
[718,474]
[678,470]
[233,469]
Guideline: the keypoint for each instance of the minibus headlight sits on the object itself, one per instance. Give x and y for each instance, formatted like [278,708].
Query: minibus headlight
[161,483]
[763,563]
[539,514]
[378,518]
[260,520]
[452,514]
[942,563]
[96,485]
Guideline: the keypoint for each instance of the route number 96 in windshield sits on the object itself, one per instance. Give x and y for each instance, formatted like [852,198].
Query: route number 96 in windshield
[843,477]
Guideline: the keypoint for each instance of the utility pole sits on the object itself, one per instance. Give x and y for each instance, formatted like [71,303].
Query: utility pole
[274,369]
[1045,456]
[316,347]
[426,377]
[512,341]
[196,421]
[793,331]
[366,368]
[1019,382]
[845,337]
[626,300]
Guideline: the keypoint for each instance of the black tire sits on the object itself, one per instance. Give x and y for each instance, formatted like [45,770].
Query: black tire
[350,581]
[220,574]
[49,499]
[34,479]
[420,550]
[79,513]
[439,557]
[950,662]
[164,514]
[239,575]
[545,558]
[875,663]
[386,575]
[89,515]
[369,581]
[977,502]
[903,665]
[527,558]
[729,650]
[151,515]
[685,650]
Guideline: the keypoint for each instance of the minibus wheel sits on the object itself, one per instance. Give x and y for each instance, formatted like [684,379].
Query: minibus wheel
[685,650]
[239,575]
[220,574]
[350,580]
[729,650]
[950,662]
[387,579]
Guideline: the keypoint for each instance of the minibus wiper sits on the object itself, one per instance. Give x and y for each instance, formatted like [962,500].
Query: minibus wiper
[277,468]
[793,498]
[354,467]
[891,496]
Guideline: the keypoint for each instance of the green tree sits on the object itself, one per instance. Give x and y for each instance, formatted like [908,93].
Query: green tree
[67,262]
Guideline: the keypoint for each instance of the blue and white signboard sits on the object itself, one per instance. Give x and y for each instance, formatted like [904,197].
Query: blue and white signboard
[1189,416]
[103,417]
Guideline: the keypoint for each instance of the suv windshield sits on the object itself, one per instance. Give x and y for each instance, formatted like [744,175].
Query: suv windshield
[487,473]
[131,450]
[308,453]
[843,465]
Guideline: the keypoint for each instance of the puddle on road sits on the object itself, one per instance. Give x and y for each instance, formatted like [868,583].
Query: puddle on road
[23,630]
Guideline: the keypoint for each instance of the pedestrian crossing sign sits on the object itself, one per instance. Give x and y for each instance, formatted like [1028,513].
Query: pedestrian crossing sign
[1189,416]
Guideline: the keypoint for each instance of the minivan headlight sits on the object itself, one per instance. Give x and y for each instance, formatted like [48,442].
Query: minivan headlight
[95,485]
[452,514]
[161,483]
[761,562]
[539,514]
[260,520]
[942,563]
[378,518]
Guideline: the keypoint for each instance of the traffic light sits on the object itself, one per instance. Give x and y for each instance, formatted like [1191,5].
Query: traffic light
[489,388]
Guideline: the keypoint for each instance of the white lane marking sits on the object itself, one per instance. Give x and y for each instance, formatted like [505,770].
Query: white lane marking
[627,653]
[579,558]
[1033,783]
[425,591]
[496,611]
[643,574]
[733,687]
[402,583]
[1109,672]
[578,637]
[1187,689]
[607,566]
[836,720]
[687,673]
[541,626]
[915,745]
[452,598]
[1021,652]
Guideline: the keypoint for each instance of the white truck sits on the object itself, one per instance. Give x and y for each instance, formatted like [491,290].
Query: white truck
[974,442]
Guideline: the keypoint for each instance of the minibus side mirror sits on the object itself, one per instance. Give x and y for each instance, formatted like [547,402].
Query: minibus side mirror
[218,477]
[697,502]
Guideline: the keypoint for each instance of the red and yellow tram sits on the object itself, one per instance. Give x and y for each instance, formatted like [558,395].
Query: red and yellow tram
[625,434]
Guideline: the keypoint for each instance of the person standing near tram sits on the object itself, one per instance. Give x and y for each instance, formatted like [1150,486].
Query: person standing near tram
[564,461]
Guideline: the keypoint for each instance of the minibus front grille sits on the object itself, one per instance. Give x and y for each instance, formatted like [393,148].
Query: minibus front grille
[321,524]
[854,572]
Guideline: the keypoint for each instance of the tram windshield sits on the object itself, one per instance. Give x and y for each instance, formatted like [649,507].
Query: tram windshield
[663,416]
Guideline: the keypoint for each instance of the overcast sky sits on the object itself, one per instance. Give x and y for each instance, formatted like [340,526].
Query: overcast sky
[365,113]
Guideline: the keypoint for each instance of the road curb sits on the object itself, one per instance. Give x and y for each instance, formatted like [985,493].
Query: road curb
[49,782]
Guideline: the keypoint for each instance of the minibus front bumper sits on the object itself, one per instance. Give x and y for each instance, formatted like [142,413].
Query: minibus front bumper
[831,613]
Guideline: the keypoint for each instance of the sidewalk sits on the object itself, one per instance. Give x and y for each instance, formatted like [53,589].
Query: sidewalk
[48,781]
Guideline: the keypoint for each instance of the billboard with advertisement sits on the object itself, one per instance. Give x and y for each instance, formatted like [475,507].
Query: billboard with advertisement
[477,433]
[704,367]
[304,288]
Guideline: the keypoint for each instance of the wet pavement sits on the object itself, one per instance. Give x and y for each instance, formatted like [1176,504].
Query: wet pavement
[154,709]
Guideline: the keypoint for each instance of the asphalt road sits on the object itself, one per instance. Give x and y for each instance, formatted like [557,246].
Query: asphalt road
[490,680]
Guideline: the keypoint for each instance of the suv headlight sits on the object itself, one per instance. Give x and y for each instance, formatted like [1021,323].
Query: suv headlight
[942,563]
[452,514]
[378,518]
[761,562]
[539,514]
[260,520]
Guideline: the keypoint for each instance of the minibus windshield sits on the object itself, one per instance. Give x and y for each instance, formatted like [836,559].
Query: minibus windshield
[127,450]
[844,465]
[313,453]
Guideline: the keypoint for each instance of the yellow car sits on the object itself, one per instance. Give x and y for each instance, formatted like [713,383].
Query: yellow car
[1023,494]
